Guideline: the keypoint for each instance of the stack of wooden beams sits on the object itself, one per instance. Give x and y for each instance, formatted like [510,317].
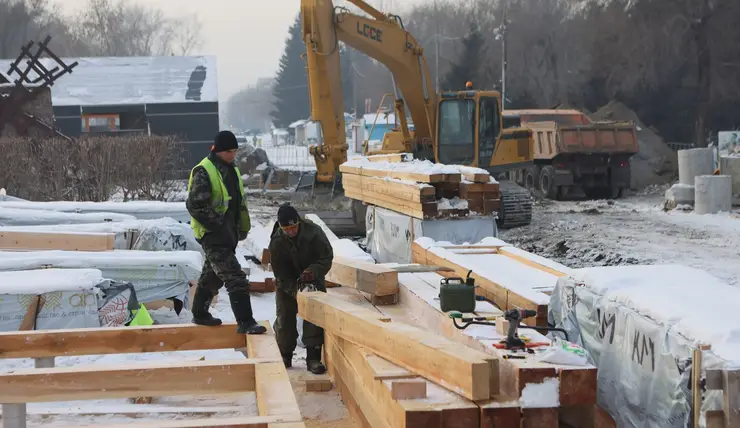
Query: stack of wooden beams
[418,189]
[407,365]
[409,190]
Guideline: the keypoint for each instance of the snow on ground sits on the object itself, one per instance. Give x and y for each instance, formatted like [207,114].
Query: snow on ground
[634,230]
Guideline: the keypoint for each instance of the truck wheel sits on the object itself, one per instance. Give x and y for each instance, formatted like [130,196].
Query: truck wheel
[547,183]
[529,180]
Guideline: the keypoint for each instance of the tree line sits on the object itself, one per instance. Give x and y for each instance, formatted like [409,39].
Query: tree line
[101,28]
[675,62]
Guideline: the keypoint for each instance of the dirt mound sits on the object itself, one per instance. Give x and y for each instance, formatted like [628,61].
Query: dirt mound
[655,163]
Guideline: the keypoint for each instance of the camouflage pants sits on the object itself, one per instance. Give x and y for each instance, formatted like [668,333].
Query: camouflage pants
[222,268]
[286,332]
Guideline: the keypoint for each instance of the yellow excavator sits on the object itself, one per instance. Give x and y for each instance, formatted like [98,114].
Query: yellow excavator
[454,128]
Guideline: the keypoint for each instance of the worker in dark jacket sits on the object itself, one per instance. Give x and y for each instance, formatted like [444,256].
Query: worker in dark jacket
[220,219]
[301,255]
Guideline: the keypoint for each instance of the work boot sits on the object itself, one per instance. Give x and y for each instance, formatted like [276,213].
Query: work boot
[201,304]
[242,307]
[287,360]
[313,360]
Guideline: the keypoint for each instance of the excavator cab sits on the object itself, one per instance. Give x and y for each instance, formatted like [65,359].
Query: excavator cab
[468,127]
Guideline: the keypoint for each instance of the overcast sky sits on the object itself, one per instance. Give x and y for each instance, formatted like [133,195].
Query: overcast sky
[247,36]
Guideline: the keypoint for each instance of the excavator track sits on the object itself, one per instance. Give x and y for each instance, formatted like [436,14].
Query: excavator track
[516,205]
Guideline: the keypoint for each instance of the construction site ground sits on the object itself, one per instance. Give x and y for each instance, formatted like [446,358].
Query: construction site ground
[634,230]
[577,233]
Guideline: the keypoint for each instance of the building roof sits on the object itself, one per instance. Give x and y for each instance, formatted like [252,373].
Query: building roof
[133,80]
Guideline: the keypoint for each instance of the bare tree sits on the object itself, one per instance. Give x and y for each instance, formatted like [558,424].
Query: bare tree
[123,28]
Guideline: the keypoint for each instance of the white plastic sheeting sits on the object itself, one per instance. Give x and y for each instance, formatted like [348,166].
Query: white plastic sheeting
[70,298]
[640,326]
[142,210]
[155,275]
[390,234]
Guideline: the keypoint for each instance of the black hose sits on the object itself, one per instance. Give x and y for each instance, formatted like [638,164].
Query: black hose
[493,324]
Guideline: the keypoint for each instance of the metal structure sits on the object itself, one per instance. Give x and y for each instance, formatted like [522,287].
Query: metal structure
[26,79]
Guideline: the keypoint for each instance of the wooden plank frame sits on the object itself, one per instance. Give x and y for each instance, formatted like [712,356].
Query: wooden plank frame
[263,372]
[728,381]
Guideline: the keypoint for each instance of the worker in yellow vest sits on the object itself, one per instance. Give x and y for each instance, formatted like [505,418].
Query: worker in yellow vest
[220,219]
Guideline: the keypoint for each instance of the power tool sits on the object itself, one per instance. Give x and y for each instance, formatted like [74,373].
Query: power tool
[514,318]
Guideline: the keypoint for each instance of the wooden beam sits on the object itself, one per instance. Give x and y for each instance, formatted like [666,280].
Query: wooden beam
[70,241]
[118,340]
[413,192]
[151,380]
[503,296]
[275,396]
[460,369]
[374,279]
[441,409]
[394,157]
[577,384]
[237,422]
[350,382]
[373,171]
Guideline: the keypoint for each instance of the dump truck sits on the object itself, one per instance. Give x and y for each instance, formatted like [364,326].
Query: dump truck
[571,151]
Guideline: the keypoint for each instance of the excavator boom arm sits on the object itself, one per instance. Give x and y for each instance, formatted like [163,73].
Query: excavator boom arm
[382,38]
[325,86]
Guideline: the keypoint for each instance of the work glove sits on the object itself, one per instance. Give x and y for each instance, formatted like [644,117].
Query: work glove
[307,276]
[242,235]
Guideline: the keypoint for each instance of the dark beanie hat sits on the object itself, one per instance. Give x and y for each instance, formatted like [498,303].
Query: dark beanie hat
[225,140]
[287,215]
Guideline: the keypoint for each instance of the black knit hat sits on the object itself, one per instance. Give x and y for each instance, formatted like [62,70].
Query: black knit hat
[287,215]
[225,140]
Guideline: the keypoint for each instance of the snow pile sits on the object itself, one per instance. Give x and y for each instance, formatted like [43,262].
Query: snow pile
[641,324]
[349,250]
[668,294]
[138,209]
[414,166]
[452,204]
[406,182]
[13,261]
[541,395]
[44,281]
[32,217]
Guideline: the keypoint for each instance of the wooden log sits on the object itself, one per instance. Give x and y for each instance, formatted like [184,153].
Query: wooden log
[106,382]
[460,369]
[443,409]
[118,340]
[374,279]
[275,396]
[236,422]
[70,241]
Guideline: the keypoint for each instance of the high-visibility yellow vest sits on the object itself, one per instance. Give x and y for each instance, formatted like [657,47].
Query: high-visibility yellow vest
[219,197]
